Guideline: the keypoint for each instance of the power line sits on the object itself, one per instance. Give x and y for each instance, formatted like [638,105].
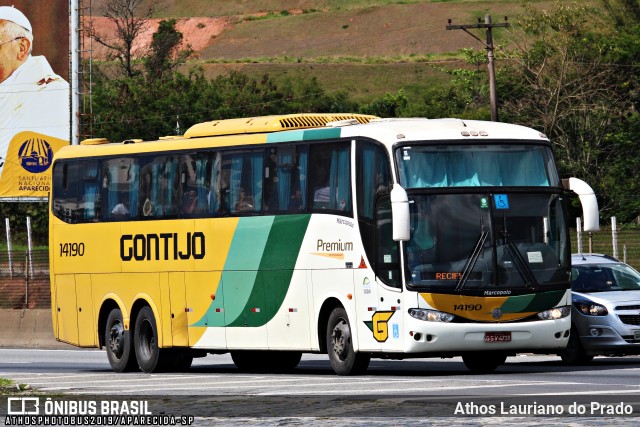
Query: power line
[489,46]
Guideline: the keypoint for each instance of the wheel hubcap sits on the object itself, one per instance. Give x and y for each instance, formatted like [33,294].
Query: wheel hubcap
[340,337]
[116,339]
[147,340]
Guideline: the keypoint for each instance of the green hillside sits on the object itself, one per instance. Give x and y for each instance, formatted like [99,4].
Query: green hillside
[368,47]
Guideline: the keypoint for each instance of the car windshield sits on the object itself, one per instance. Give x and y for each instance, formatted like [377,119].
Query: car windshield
[604,277]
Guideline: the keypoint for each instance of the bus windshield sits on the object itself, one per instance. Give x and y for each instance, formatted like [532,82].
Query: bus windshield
[456,165]
[483,238]
[486,241]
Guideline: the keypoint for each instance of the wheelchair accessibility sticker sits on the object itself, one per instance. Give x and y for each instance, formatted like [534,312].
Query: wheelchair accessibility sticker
[501,201]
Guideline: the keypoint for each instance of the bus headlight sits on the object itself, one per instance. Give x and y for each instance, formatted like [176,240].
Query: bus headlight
[555,313]
[430,315]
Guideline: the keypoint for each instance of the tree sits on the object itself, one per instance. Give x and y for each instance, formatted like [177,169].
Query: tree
[623,12]
[387,106]
[562,81]
[164,54]
[123,13]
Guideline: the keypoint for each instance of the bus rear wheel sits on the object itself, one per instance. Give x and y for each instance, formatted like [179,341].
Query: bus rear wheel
[118,343]
[145,339]
[344,359]
[483,362]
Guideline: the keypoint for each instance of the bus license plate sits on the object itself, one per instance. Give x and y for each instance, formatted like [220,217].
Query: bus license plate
[497,336]
[636,335]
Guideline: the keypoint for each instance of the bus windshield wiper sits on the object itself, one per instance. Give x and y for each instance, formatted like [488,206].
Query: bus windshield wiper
[471,262]
[522,266]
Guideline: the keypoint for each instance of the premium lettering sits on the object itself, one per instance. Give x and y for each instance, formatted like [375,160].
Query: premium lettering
[338,246]
[163,246]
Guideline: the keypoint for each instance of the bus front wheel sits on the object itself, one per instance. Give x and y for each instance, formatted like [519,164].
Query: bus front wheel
[118,343]
[145,340]
[344,360]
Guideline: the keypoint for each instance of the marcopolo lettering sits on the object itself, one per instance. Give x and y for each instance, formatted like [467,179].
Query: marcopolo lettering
[163,246]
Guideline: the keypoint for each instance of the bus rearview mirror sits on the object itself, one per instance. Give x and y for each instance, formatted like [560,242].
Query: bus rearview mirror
[587,200]
[400,213]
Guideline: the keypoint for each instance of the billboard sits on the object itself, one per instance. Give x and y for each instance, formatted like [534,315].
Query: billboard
[34,94]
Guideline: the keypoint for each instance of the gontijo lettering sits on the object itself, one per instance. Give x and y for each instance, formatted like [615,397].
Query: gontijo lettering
[163,246]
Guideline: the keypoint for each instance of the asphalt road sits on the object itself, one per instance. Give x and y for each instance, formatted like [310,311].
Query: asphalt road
[527,390]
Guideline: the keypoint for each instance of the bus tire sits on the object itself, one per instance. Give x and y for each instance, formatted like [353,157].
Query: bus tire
[118,343]
[145,340]
[344,359]
[246,361]
[574,353]
[284,361]
[483,362]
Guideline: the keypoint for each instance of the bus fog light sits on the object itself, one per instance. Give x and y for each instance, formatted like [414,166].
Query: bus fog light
[595,332]
[430,315]
[555,313]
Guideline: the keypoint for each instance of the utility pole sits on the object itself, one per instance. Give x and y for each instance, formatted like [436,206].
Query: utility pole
[489,46]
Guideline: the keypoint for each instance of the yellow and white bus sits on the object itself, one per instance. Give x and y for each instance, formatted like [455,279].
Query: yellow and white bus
[349,235]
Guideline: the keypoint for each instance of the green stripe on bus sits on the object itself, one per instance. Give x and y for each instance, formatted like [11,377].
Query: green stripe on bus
[303,135]
[276,269]
[240,269]
[532,302]
[292,135]
[324,133]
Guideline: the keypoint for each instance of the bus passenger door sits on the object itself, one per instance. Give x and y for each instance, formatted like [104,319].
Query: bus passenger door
[66,312]
[389,322]
[86,322]
[388,280]
[366,296]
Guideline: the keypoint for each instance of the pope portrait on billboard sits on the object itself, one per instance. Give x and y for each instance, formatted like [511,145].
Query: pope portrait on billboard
[34,110]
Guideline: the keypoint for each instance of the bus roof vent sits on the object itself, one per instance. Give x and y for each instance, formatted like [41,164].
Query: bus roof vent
[270,124]
[94,141]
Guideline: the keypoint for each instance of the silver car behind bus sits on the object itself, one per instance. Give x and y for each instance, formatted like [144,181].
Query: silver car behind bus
[605,316]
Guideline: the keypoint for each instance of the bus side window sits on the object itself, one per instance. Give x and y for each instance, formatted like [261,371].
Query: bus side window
[373,178]
[194,181]
[244,170]
[387,261]
[65,183]
[284,180]
[329,177]
[90,203]
[120,187]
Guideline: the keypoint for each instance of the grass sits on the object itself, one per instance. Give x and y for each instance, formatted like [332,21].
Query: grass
[363,81]
[10,387]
